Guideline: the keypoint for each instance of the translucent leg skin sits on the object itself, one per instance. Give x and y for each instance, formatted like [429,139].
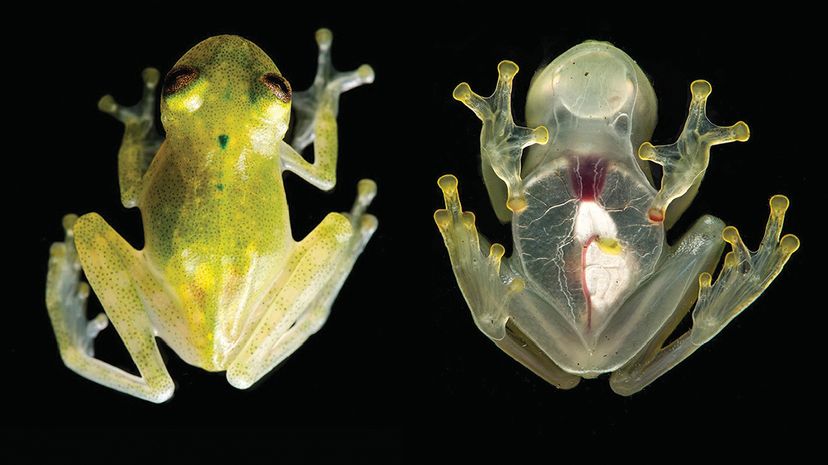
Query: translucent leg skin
[501,141]
[488,288]
[686,160]
[316,110]
[124,286]
[744,276]
[141,139]
[522,349]
[300,306]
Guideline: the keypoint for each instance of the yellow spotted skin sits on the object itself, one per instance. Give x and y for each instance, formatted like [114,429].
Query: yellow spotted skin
[215,215]
[221,278]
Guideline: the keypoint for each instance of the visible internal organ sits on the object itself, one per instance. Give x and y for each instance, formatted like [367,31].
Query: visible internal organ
[605,265]
[584,241]
[587,176]
[604,274]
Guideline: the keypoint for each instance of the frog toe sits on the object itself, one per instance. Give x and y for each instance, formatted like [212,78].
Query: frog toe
[744,274]
[322,98]
[67,294]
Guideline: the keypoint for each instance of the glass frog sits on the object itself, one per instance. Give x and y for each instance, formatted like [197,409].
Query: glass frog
[592,286]
[221,279]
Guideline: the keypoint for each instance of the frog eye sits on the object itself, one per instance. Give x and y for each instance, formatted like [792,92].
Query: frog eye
[278,85]
[179,78]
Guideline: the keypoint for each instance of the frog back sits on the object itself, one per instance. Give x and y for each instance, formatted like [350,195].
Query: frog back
[217,231]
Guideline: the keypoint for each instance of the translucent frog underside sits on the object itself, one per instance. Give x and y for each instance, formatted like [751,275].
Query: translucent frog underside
[592,286]
[583,239]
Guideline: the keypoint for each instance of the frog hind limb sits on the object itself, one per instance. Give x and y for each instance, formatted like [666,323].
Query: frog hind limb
[109,261]
[323,260]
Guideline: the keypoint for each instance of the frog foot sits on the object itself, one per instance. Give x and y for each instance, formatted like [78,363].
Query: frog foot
[744,275]
[66,295]
[486,286]
[324,93]
[143,112]
[685,160]
[501,141]
[364,223]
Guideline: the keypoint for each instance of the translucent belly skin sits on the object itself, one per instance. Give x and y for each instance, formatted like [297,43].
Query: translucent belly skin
[592,286]
[583,240]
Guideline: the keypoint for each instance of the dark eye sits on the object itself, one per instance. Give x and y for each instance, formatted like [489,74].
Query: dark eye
[179,78]
[278,85]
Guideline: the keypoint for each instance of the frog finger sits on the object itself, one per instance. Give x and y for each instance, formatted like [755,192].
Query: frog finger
[685,161]
[474,101]
[317,107]
[501,140]
[142,111]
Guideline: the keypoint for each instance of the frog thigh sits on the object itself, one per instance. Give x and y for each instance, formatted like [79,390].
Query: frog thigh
[667,296]
[125,288]
[699,248]
[525,351]
[316,271]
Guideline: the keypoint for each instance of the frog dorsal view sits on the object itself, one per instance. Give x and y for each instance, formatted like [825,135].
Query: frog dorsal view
[592,286]
[221,278]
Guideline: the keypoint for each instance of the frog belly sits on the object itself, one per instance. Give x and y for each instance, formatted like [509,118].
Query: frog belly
[583,240]
[604,264]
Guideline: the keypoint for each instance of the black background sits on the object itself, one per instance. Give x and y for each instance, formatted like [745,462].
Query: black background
[400,368]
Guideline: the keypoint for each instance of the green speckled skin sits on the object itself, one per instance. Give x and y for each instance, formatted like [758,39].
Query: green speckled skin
[216,219]
[221,278]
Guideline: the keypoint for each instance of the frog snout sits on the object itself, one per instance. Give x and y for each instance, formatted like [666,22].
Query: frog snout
[596,84]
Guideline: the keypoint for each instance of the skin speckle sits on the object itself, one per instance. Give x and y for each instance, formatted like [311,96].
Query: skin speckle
[220,278]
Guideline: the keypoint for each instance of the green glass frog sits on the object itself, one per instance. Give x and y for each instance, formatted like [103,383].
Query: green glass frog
[592,286]
[221,279]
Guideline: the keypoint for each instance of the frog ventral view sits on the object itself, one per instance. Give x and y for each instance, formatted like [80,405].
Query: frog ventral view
[592,286]
[221,279]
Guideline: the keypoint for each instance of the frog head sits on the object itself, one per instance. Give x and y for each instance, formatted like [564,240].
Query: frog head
[226,89]
[593,83]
